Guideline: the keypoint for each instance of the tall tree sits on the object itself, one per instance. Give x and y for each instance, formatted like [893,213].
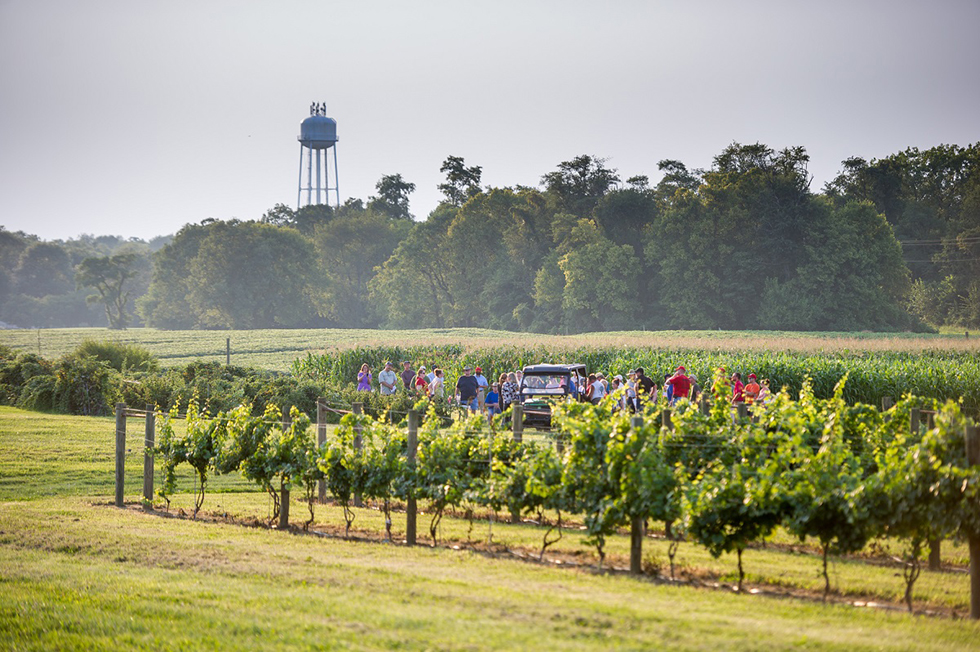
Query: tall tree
[413,288]
[392,197]
[108,275]
[461,182]
[577,185]
[349,249]
[252,275]
[166,303]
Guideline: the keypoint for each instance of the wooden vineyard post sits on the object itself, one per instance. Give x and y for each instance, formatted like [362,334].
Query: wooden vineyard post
[972,459]
[120,452]
[667,421]
[148,457]
[637,524]
[742,410]
[228,351]
[357,408]
[517,416]
[705,406]
[321,436]
[411,509]
[517,424]
[935,554]
[887,403]
[287,422]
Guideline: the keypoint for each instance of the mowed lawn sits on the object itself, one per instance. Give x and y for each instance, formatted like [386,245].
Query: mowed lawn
[77,573]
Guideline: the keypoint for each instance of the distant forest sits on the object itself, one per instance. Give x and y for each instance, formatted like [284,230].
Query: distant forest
[888,245]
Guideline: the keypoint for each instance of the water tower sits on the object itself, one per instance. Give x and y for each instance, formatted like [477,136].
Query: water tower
[318,135]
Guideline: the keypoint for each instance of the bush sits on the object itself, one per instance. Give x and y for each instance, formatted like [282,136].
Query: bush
[37,393]
[84,386]
[162,389]
[121,357]
[17,370]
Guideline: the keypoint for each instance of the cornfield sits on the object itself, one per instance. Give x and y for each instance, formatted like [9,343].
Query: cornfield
[870,375]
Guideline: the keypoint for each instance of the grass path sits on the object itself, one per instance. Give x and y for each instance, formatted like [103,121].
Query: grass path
[79,574]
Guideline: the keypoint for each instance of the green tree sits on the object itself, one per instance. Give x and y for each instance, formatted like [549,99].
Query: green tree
[43,269]
[392,197]
[413,289]
[108,276]
[588,486]
[912,510]
[600,291]
[349,249]
[461,182]
[851,278]
[167,301]
[730,509]
[577,185]
[252,275]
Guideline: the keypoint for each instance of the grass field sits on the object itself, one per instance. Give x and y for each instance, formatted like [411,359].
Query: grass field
[276,349]
[77,573]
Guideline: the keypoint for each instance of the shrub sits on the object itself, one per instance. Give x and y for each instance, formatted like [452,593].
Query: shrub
[119,356]
[84,386]
[37,393]
[17,370]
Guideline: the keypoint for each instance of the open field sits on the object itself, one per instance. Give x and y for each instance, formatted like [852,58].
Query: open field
[76,573]
[276,349]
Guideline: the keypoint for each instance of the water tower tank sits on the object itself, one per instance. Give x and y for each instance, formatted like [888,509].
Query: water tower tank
[318,132]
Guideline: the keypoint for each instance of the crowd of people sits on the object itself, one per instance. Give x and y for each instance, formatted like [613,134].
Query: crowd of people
[631,392]
[638,389]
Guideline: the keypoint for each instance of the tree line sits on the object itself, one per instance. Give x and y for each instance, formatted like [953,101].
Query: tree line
[890,244]
[84,281]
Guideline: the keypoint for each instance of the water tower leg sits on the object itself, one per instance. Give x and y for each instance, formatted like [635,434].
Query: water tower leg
[318,174]
[326,177]
[309,178]
[299,186]
[336,175]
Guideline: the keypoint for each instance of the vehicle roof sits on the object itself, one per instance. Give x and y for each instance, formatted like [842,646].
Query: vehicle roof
[550,368]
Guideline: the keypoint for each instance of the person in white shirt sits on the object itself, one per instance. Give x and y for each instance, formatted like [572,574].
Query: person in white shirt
[437,388]
[388,379]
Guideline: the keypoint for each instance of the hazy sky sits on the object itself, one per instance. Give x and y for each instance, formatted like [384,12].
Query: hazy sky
[133,118]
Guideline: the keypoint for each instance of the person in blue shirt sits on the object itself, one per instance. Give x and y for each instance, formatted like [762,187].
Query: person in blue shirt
[492,400]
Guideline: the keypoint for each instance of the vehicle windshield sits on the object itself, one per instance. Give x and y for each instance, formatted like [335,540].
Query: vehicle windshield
[544,384]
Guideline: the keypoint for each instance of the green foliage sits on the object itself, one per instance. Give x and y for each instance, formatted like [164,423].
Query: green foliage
[827,492]
[108,276]
[589,488]
[340,466]
[232,275]
[84,386]
[256,451]
[382,468]
[121,357]
[449,463]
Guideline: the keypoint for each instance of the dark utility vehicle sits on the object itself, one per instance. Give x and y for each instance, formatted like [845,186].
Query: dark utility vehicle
[545,384]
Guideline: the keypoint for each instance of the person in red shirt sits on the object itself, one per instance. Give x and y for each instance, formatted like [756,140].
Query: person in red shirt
[751,390]
[738,389]
[681,384]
